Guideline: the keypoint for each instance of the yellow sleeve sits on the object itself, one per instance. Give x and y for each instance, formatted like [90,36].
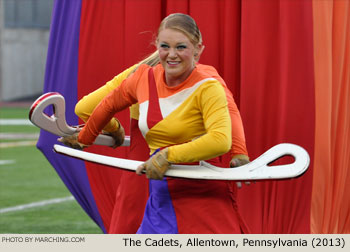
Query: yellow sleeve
[217,123]
[88,103]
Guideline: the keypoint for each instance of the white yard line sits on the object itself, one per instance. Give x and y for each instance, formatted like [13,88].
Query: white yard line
[17,135]
[13,136]
[5,162]
[17,144]
[36,204]
[15,122]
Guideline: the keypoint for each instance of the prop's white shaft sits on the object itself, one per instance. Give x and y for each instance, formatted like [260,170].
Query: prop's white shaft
[56,123]
[256,170]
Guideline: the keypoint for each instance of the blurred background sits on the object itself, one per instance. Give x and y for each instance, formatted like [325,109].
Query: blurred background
[286,63]
[33,199]
[24,35]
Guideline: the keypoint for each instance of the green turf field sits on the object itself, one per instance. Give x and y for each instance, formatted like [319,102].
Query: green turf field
[27,177]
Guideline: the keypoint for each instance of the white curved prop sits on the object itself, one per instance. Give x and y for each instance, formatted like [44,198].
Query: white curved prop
[256,170]
[56,123]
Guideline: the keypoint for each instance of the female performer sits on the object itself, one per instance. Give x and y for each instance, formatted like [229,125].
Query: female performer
[183,116]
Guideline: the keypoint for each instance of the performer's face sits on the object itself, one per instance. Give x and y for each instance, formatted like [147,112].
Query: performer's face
[176,53]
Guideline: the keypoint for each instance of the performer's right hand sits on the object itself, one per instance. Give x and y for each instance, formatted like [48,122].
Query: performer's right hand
[156,165]
[72,141]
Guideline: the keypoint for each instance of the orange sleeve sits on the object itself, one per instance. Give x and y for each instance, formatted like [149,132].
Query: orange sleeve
[88,103]
[238,137]
[120,98]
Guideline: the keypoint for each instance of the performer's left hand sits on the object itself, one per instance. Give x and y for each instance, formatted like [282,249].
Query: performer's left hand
[237,161]
[155,166]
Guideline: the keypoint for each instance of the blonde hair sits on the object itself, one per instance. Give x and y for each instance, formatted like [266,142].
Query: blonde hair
[183,23]
[180,22]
